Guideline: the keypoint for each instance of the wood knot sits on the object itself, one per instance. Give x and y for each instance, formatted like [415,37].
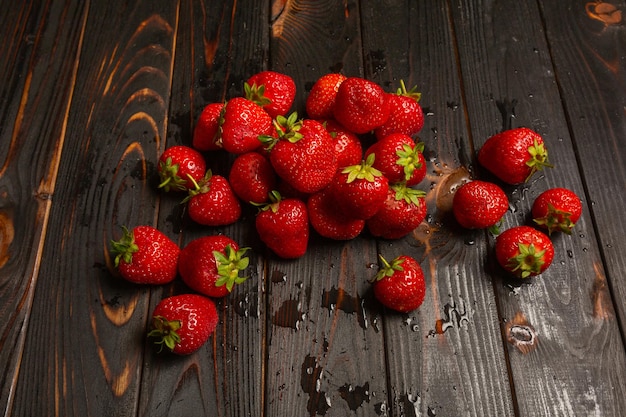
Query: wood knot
[606,13]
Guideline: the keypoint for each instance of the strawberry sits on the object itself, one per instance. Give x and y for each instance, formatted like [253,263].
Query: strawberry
[524,251]
[145,255]
[514,155]
[405,113]
[241,124]
[304,155]
[330,222]
[400,285]
[183,323]
[360,190]
[283,225]
[252,177]
[557,209]
[178,166]
[348,146]
[212,202]
[399,158]
[403,210]
[361,105]
[273,91]
[320,102]
[479,205]
[206,131]
[211,265]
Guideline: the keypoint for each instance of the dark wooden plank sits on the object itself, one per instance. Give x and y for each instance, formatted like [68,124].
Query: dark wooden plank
[506,61]
[84,348]
[587,47]
[38,49]
[217,43]
[445,358]
[325,352]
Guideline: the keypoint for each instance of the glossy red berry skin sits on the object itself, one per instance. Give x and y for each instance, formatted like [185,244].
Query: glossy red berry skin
[479,204]
[145,255]
[403,289]
[557,210]
[524,251]
[194,317]
[361,105]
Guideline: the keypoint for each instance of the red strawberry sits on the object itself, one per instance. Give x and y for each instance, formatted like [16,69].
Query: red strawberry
[271,90]
[399,158]
[330,222]
[514,155]
[320,102]
[400,285]
[206,131]
[348,146]
[211,265]
[360,190]
[242,122]
[557,209]
[183,323]
[212,202]
[177,164]
[304,155]
[252,177]
[283,225]
[361,105]
[524,251]
[146,256]
[403,210]
[406,115]
[479,205]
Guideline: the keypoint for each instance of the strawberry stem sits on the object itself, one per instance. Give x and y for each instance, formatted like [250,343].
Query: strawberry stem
[228,266]
[124,248]
[388,269]
[539,158]
[168,174]
[165,332]
[363,171]
[528,261]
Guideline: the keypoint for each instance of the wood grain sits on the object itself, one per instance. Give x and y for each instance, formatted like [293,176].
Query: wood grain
[510,61]
[86,335]
[446,341]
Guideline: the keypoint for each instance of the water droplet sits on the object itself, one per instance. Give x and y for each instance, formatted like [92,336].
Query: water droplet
[570,253]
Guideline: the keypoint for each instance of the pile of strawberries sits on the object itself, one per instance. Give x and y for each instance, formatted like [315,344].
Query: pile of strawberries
[351,165]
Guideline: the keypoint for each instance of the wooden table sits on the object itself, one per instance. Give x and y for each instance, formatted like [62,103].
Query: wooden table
[93,91]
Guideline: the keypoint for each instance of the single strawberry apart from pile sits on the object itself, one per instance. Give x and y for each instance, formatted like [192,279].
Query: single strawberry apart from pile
[211,265]
[524,251]
[183,323]
[399,284]
[514,155]
[557,210]
[479,205]
[145,255]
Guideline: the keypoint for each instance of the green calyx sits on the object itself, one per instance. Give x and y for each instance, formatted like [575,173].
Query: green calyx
[124,248]
[413,93]
[275,199]
[287,128]
[256,94]
[165,332]
[229,264]
[387,269]
[556,220]
[527,262]
[363,171]
[168,175]
[408,194]
[538,158]
[409,158]
[199,187]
